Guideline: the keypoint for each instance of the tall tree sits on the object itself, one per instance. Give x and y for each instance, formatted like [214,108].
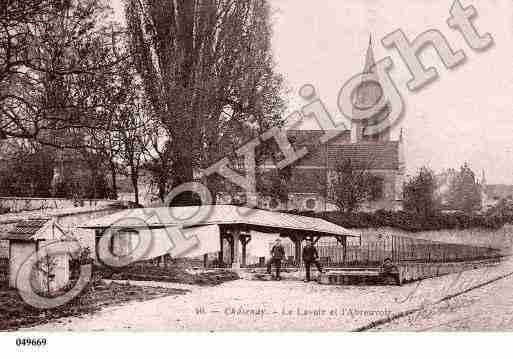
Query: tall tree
[133,142]
[50,54]
[208,74]
[419,194]
[465,191]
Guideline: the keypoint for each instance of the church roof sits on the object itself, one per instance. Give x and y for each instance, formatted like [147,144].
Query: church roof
[366,155]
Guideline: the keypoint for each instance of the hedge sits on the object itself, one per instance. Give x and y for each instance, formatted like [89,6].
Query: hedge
[411,222]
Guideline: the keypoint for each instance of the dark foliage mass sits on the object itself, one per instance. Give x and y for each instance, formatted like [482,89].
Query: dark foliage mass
[419,194]
[411,222]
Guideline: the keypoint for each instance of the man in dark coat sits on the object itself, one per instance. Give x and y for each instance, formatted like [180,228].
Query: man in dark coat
[277,254]
[310,256]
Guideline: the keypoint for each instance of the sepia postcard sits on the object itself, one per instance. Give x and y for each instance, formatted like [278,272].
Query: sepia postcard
[256,166]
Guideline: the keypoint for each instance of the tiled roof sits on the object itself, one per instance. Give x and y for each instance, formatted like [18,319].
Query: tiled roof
[217,214]
[25,230]
[366,155]
[313,137]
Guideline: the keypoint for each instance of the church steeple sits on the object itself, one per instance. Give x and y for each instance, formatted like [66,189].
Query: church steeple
[369,58]
[367,95]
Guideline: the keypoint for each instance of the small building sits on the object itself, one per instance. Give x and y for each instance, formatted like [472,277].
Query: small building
[492,194]
[49,272]
[68,219]
[226,230]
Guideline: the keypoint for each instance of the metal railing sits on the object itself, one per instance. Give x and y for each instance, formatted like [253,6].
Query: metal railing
[402,249]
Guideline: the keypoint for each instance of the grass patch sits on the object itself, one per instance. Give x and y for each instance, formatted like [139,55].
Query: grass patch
[171,274]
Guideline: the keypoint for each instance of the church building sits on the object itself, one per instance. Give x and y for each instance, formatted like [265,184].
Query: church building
[378,155]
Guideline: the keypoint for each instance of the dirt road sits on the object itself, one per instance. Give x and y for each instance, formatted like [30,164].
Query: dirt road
[489,308]
[287,305]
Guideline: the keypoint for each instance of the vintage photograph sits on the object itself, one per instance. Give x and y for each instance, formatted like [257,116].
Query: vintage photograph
[256,166]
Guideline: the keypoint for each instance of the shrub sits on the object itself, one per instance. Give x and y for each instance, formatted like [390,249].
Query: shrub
[410,222]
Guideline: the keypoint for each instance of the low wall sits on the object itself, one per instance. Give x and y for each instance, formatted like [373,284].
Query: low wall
[409,272]
[20,204]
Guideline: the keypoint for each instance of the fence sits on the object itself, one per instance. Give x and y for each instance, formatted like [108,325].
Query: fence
[4,270]
[400,249]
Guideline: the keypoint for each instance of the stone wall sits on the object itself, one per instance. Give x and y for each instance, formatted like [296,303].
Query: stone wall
[20,204]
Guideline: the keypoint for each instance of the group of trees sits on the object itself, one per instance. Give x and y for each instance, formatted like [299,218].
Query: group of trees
[182,85]
[422,195]
[352,185]
[84,100]
[451,200]
[63,97]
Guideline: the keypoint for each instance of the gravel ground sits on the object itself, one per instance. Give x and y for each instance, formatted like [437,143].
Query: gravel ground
[285,305]
[15,313]
[489,308]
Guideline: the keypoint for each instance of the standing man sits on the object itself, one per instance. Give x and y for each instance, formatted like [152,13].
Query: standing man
[277,254]
[310,256]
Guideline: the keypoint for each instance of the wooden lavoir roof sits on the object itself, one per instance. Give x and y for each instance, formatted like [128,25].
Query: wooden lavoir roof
[218,214]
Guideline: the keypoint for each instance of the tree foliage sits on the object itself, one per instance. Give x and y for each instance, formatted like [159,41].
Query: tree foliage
[350,185]
[26,170]
[419,194]
[208,75]
[53,58]
[187,84]
[465,191]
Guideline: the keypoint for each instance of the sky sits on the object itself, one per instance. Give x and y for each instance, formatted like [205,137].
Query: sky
[466,115]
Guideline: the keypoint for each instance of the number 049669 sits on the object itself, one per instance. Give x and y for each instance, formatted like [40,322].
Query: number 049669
[34,342]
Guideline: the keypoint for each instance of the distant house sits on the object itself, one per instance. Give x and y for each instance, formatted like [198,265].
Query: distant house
[493,193]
